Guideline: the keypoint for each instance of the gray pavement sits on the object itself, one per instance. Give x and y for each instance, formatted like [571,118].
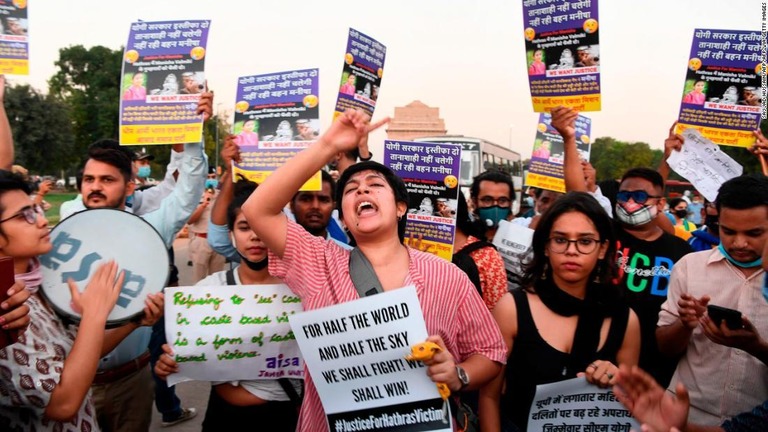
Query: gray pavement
[192,393]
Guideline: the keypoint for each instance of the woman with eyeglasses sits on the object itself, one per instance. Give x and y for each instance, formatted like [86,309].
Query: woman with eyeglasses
[45,377]
[568,320]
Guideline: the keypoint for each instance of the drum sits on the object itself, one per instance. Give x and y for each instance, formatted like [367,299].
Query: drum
[84,240]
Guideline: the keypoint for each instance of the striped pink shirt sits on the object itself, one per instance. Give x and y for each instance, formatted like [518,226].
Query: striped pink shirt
[317,270]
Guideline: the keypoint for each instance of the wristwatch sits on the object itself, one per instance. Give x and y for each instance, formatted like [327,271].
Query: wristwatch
[362,159]
[463,377]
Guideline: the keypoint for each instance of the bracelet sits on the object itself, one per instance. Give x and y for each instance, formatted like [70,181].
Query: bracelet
[370,156]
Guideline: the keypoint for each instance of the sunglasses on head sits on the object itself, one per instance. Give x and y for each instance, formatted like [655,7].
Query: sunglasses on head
[638,196]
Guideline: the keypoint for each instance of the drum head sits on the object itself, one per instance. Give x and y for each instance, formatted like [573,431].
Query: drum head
[87,239]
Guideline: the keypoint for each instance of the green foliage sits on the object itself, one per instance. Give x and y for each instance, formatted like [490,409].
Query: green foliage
[88,80]
[611,157]
[42,132]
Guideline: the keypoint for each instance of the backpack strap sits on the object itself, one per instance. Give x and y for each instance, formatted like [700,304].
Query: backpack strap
[362,274]
[231,277]
[285,383]
[468,249]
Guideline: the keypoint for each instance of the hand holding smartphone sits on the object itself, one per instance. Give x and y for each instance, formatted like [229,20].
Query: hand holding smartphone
[732,317]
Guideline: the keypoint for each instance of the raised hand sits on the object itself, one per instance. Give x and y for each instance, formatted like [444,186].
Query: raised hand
[101,294]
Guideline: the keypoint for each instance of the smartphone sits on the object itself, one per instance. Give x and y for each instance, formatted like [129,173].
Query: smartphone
[7,337]
[732,317]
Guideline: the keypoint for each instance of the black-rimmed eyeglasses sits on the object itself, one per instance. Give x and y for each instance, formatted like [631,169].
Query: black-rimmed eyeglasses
[30,214]
[583,245]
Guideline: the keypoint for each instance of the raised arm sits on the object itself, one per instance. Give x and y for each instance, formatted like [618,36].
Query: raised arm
[218,232]
[6,137]
[264,208]
[564,121]
[674,142]
[95,303]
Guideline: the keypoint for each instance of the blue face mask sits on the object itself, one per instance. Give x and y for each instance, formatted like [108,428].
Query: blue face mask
[144,171]
[211,183]
[492,215]
[756,263]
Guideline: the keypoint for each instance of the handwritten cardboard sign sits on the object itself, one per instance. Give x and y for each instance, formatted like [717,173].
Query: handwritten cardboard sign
[703,164]
[230,333]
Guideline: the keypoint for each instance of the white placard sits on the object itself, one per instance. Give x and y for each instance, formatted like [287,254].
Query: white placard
[575,405]
[703,164]
[355,353]
[514,245]
[232,332]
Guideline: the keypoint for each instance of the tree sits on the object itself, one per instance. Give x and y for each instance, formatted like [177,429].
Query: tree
[42,131]
[611,158]
[88,81]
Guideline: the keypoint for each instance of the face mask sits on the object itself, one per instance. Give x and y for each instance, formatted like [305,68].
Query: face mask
[756,263]
[255,266]
[144,171]
[492,215]
[681,213]
[211,183]
[641,216]
[713,224]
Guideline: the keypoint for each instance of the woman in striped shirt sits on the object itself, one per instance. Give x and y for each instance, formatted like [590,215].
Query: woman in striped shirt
[371,202]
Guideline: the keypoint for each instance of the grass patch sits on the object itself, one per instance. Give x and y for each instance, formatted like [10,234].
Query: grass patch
[55,199]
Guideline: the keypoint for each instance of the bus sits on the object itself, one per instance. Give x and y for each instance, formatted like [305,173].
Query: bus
[676,188]
[480,155]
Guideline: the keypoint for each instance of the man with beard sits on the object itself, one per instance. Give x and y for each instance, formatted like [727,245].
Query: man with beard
[722,381]
[123,386]
[645,254]
[313,210]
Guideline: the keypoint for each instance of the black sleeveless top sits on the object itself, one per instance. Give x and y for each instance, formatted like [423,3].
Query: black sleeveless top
[533,361]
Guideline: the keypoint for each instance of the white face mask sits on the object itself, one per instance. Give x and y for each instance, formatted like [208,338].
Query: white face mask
[641,216]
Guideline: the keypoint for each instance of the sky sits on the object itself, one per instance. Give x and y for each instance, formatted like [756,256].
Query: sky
[465,57]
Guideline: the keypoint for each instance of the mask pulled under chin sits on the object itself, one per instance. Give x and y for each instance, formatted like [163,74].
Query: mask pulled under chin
[255,266]
[491,216]
[756,263]
[641,216]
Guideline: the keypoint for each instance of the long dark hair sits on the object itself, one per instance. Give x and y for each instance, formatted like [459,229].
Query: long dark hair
[585,204]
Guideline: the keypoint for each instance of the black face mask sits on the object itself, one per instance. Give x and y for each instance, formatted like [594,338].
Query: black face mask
[255,266]
[712,223]
[681,213]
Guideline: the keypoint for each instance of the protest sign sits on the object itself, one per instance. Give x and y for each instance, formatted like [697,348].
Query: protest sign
[14,37]
[721,97]
[361,74]
[232,332]
[355,353]
[431,175]
[163,76]
[546,168]
[276,116]
[562,53]
[514,245]
[703,164]
[574,405]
